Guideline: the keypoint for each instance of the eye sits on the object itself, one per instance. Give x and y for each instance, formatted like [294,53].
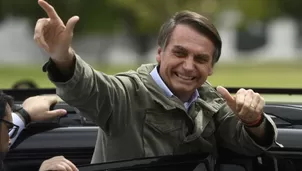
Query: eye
[201,59]
[180,54]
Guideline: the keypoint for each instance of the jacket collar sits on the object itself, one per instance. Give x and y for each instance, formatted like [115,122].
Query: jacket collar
[157,78]
[208,96]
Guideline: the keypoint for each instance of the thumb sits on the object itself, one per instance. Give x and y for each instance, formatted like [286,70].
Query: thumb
[227,96]
[56,113]
[70,25]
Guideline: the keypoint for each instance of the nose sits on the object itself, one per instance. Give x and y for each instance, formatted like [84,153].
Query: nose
[188,64]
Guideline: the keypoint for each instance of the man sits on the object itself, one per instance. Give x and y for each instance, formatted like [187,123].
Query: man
[33,109]
[160,109]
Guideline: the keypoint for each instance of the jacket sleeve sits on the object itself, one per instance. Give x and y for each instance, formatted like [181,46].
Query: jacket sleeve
[100,97]
[232,134]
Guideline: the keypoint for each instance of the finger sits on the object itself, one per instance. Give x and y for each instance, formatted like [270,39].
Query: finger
[58,167]
[231,101]
[225,93]
[240,96]
[42,44]
[39,32]
[260,105]
[56,113]
[70,25]
[73,167]
[247,104]
[50,11]
[66,166]
[41,23]
[255,102]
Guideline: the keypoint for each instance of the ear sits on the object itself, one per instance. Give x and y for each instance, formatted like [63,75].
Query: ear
[210,70]
[159,54]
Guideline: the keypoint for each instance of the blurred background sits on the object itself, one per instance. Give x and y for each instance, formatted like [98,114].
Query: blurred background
[262,39]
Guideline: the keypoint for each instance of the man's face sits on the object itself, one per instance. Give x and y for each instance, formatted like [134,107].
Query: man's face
[4,141]
[186,62]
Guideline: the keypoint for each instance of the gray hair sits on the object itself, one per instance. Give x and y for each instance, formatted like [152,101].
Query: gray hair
[195,20]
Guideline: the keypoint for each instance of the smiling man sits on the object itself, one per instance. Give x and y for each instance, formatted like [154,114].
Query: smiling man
[166,108]
[184,59]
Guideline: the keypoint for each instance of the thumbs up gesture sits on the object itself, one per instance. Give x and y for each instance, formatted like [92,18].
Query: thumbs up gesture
[246,104]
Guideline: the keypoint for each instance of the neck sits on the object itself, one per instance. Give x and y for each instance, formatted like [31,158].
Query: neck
[184,98]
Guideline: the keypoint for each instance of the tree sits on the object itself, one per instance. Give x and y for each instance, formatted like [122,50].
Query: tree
[143,18]
[96,15]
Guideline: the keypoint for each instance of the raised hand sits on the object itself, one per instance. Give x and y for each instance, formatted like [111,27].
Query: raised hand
[53,36]
[246,104]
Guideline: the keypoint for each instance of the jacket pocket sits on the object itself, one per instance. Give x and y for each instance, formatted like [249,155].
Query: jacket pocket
[162,132]
[163,123]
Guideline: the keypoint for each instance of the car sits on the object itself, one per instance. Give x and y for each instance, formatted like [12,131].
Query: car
[74,137]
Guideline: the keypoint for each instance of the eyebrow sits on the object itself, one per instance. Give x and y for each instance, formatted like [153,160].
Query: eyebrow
[178,47]
[203,56]
[200,55]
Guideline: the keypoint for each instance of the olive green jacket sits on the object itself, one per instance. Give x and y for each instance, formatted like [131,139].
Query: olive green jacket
[137,120]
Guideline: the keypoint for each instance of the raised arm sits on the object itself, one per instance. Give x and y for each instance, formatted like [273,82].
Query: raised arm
[95,94]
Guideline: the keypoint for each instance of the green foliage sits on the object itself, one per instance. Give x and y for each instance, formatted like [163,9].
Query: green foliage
[145,16]
[95,15]
[150,14]
[258,9]
[291,8]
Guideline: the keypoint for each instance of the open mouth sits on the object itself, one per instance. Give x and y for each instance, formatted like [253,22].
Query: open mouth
[184,77]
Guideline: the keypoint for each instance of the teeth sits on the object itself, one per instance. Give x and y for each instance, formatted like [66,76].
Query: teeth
[184,77]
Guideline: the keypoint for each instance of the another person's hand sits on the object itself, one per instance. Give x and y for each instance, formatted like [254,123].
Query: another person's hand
[52,35]
[58,163]
[38,107]
[246,104]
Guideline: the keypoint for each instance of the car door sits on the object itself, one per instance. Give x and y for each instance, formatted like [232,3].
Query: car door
[71,136]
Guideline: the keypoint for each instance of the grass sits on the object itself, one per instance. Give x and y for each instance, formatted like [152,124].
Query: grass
[286,75]
[256,75]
